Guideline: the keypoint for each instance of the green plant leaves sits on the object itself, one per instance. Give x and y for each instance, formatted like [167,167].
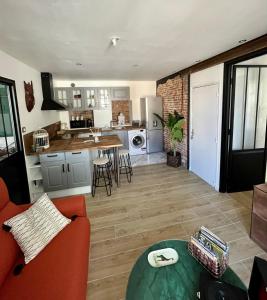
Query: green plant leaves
[177,131]
[175,123]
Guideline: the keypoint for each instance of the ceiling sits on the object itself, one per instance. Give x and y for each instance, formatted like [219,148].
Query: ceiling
[157,37]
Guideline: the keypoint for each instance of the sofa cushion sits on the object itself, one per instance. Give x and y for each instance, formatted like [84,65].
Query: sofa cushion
[9,248]
[58,272]
[34,228]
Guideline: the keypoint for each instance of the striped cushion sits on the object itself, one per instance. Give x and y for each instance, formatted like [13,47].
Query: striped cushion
[37,226]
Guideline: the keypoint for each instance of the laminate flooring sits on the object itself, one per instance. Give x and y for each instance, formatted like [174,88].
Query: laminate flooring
[161,203]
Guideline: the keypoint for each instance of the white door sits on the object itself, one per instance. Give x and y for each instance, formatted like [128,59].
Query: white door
[204,131]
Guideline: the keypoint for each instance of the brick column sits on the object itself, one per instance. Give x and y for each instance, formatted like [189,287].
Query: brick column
[175,96]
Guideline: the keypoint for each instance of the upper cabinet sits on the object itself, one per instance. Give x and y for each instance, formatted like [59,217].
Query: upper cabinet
[104,98]
[62,95]
[121,93]
[87,98]
[90,98]
[76,101]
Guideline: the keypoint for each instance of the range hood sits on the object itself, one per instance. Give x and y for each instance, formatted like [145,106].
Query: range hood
[49,102]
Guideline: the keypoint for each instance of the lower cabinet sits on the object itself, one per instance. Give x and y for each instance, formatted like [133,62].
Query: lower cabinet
[65,170]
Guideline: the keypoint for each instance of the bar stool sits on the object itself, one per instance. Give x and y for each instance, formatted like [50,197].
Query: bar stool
[125,164]
[107,153]
[101,172]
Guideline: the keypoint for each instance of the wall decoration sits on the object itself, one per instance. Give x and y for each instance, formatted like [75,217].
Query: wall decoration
[29,96]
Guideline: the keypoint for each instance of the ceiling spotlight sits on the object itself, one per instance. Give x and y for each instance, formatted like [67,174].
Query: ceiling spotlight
[78,64]
[197,61]
[114,41]
[135,65]
[242,41]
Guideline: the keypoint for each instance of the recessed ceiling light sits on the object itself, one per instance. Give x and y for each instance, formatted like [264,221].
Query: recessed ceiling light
[242,41]
[78,64]
[114,40]
[197,61]
[135,65]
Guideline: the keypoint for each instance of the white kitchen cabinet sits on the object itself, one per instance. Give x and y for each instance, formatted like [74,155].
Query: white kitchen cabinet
[63,96]
[90,98]
[87,98]
[104,98]
[77,100]
[65,170]
[120,93]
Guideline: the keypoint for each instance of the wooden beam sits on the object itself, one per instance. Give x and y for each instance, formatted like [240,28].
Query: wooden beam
[257,44]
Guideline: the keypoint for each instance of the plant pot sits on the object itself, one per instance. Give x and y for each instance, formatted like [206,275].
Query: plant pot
[174,161]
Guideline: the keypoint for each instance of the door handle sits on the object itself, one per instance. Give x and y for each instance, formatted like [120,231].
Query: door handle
[192,134]
[63,168]
[55,155]
[68,167]
[76,152]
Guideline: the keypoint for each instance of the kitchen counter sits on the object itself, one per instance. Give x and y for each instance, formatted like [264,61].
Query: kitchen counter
[64,145]
[74,131]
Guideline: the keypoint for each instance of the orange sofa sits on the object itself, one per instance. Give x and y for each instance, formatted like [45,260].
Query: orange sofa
[60,271]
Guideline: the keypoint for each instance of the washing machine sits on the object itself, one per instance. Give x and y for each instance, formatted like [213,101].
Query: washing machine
[137,141]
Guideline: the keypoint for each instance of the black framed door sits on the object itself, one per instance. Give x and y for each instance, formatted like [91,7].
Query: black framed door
[247,134]
[12,160]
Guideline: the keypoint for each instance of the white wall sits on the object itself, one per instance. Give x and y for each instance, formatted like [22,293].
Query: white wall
[137,90]
[213,75]
[14,69]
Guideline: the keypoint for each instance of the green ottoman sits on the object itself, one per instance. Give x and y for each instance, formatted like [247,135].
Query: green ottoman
[178,281]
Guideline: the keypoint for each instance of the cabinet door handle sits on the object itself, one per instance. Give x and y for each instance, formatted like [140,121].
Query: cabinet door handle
[63,168]
[68,167]
[76,152]
[55,155]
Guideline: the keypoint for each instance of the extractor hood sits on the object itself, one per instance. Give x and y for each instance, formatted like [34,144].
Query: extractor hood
[49,102]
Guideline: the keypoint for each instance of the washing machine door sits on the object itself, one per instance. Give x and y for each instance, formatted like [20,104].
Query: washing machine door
[138,141]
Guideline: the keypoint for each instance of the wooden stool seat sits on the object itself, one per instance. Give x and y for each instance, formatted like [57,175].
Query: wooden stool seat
[100,161]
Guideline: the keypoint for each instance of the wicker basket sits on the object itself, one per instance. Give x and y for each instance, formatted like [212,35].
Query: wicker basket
[174,161]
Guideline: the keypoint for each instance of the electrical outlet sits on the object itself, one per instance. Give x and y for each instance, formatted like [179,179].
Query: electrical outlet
[23,129]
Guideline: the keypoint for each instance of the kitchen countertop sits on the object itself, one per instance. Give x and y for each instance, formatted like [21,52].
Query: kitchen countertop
[95,130]
[74,144]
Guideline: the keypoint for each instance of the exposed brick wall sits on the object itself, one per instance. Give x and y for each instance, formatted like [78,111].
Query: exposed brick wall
[175,96]
[121,106]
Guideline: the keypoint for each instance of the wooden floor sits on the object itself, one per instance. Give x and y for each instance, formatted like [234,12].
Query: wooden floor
[161,203]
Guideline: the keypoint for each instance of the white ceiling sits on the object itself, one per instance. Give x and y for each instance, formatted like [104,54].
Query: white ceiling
[161,36]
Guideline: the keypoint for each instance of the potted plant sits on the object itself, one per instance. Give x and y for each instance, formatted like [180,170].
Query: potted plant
[174,123]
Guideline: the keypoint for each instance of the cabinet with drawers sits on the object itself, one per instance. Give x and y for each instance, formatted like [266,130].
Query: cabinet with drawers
[65,170]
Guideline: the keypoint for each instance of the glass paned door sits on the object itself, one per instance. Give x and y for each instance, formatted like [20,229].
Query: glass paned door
[12,160]
[250,108]
[247,153]
[8,144]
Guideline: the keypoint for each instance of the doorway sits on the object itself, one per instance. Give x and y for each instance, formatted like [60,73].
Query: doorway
[244,125]
[12,161]
[204,130]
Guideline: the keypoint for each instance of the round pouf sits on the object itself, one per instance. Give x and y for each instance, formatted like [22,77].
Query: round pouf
[178,281]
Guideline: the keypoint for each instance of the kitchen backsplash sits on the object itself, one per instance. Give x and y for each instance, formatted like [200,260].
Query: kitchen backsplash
[122,106]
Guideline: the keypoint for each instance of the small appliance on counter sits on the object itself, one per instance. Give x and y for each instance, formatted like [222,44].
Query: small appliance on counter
[78,124]
[40,140]
[121,119]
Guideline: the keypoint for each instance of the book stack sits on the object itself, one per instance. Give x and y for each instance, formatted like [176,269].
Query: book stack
[211,251]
